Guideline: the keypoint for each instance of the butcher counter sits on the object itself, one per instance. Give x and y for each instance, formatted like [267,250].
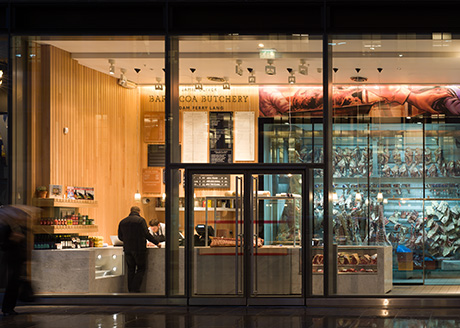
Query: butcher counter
[277,270]
[95,270]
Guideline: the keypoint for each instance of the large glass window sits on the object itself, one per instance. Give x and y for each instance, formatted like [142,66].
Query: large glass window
[395,153]
[248,99]
[95,148]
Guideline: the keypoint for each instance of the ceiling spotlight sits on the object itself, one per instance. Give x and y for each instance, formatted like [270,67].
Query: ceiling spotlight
[251,78]
[122,75]
[158,86]
[226,85]
[124,82]
[291,78]
[238,68]
[198,85]
[112,67]
[270,69]
[303,69]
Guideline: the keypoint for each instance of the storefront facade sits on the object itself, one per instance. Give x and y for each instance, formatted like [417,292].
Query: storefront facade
[309,149]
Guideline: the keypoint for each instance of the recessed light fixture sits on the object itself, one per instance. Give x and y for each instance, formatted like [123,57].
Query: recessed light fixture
[261,45]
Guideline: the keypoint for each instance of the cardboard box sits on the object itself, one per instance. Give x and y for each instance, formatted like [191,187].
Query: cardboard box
[405,261]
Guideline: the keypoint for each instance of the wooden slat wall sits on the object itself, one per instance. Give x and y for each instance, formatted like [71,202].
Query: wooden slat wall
[101,149]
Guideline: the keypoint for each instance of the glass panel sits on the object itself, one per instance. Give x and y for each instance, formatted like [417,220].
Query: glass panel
[287,140]
[277,268]
[412,151]
[229,83]
[399,179]
[218,220]
[317,256]
[97,145]
[4,159]
[442,212]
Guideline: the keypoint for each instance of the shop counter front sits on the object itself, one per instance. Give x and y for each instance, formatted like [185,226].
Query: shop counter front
[276,271]
[84,270]
[97,270]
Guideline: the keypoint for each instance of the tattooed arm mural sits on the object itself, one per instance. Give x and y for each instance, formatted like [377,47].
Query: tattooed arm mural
[276,101]
[434,100]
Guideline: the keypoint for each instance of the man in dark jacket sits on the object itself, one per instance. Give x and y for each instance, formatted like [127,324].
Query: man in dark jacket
[133,231]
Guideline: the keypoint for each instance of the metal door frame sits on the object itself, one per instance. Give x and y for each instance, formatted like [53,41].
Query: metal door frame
[247,171]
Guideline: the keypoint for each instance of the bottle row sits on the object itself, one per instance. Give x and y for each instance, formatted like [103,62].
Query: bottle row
[65,241]
[73,219]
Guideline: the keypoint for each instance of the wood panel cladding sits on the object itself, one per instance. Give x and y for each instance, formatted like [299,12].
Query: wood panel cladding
[102,147]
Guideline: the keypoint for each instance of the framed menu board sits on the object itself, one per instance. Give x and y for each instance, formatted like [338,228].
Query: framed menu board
[221,137]
[151,180]
[154,127]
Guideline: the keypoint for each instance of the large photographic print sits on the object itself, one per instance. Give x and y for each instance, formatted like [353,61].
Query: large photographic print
[369,100]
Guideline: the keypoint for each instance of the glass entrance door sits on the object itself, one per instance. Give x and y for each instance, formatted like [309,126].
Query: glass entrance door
[218,224]
[276,250]
[247,239]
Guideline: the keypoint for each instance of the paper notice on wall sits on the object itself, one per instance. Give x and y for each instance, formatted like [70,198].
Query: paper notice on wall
[244,136]
[195,137]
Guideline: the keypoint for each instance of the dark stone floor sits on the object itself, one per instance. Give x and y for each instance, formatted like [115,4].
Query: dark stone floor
[226,317]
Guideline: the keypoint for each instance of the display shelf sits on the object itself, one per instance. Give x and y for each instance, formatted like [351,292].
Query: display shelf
[198,209]
[61,202]
[56,229]
[349,283]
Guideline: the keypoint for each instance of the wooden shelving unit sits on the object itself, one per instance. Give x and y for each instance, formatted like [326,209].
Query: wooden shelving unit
[61,202]
[63,229]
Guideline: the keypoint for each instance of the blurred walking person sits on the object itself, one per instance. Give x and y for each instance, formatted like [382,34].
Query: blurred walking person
[13,241]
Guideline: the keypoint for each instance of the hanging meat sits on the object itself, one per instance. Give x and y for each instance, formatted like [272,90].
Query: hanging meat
[403,171]
[386,171]
[428,157]
[418,156]
[439,158]
[450,168]
[408,156]
[415,172]
[355,154]
[397,156]
[383,156]
[395,171]
[432,171]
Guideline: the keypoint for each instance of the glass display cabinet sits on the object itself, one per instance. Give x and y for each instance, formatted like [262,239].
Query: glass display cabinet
[396,183]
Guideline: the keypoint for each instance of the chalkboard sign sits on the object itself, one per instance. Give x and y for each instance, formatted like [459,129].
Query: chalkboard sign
[221,137]
[156,155]
[211,181]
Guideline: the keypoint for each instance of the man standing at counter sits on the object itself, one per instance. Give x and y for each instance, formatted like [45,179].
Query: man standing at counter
[133,231]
